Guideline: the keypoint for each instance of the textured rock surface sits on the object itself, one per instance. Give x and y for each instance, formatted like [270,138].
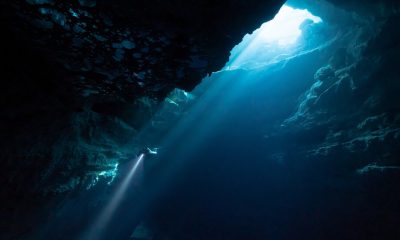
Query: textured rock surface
[351,104]
[82,77]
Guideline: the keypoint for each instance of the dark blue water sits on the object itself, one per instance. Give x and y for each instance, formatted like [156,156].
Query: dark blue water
[231,168]
[228,169]
[231,172]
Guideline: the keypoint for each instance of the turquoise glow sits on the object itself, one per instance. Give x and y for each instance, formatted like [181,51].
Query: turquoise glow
[284,29]
[273,41]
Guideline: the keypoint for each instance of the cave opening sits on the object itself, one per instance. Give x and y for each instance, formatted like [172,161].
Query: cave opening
[293,133]
[275,39]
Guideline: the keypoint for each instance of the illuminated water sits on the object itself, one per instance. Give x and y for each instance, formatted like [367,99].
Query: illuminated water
[228,168]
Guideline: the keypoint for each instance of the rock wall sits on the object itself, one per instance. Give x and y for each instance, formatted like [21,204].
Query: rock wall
[81,78]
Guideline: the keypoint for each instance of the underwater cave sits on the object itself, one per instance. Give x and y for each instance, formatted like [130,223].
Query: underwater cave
[200,120]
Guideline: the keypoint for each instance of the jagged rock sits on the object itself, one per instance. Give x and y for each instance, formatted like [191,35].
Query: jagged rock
[101,59]
[83,77]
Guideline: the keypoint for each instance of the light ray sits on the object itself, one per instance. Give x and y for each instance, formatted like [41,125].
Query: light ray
[277,36]
[104,218]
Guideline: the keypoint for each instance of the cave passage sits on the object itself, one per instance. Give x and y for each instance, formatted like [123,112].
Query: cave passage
[294,138]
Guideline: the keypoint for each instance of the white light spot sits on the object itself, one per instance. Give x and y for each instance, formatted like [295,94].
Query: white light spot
[273,41]
[284,29]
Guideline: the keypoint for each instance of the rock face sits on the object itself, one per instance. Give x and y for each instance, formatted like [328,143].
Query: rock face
[349,105]
[82,77]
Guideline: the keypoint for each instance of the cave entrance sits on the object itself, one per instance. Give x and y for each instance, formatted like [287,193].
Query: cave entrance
[274,40]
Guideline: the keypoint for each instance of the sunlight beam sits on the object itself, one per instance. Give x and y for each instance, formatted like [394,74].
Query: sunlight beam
[284,29]
[276,37]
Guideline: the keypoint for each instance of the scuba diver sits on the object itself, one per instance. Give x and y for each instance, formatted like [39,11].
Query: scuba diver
[149,151]
[152,151]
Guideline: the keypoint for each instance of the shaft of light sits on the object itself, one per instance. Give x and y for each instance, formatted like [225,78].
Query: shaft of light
[104,218]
